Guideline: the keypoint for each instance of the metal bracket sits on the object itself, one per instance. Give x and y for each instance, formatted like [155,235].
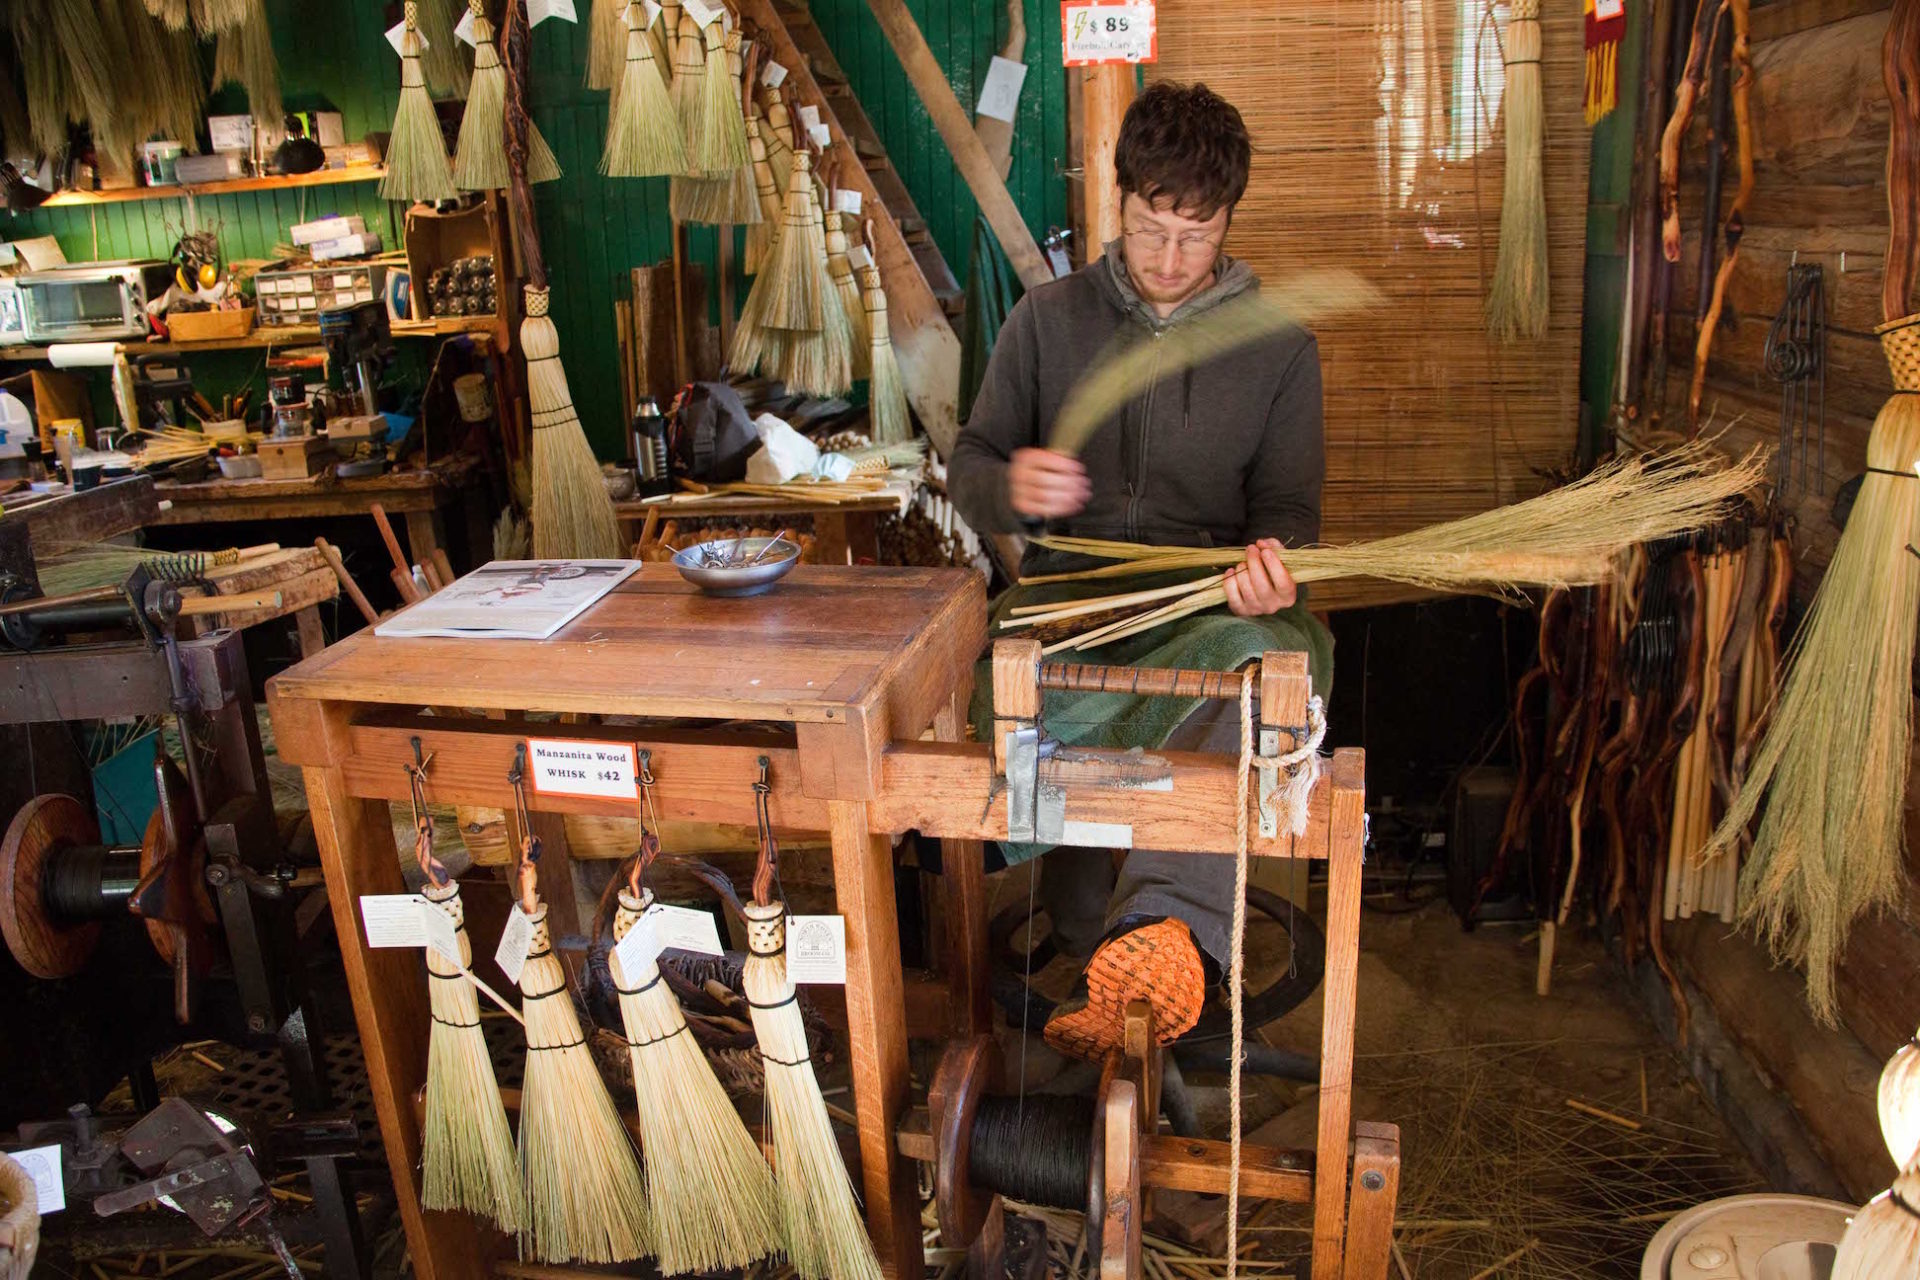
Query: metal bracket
[1023,783]
[1269,784]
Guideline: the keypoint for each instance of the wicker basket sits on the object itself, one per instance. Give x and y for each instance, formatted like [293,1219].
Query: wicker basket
[210,326]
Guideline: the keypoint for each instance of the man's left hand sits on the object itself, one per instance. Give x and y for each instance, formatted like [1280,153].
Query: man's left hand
[1261,585]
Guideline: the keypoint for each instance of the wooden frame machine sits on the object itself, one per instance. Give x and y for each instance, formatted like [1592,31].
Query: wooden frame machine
[853,685]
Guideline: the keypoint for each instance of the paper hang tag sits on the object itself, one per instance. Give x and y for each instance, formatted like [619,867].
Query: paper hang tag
[49,1182]
[1000,95]
[820,136]
[859,258]
[1093,32]
[845,201]
[464,29]
[441,936]
[639,948]
[511,954]
[685,929]
[577,767]
[394,920]
[700,13]
[809,115]
[817,949]
[398,31]
[650,13]
[538,11]
[773,75]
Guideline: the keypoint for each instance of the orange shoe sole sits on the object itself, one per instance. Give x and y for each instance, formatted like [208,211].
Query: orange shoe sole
[1158,963]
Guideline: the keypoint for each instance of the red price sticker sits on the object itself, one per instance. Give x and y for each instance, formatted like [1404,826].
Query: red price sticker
[1094,32]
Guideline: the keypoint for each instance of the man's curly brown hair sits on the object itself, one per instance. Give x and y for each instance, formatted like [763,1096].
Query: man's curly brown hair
[1186,143]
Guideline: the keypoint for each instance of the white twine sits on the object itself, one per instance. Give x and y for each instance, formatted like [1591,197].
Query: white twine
[1301,767]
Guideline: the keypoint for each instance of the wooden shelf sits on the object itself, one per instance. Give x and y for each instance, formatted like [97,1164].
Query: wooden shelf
[286,335]
[228,187]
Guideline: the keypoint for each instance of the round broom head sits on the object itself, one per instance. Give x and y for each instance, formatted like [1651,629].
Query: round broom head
[417,167]
[840,271]
[585,1197]
[1900,1104]
[1883,1240]
[1517,305]
[467,1157]
[714,1201]
[607,47]
[820,1219]
[643,132]
[572,514]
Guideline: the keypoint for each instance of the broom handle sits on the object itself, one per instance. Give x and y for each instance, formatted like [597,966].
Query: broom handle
[515,45]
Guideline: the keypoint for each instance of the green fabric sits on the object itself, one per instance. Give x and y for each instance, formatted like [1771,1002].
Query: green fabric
[1212,641]
[992,290]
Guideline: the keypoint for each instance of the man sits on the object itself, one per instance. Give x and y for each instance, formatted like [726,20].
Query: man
[1229,453]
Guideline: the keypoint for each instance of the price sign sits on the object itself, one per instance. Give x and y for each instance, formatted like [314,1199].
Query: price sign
[565,767]
[1094,32]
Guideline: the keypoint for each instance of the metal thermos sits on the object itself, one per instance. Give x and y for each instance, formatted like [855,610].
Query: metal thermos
[650,449]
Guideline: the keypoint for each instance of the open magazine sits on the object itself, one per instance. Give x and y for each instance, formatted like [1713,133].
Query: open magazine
[511,599]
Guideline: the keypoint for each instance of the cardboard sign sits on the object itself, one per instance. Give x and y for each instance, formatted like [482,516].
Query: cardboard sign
[1095,32]
[573,767]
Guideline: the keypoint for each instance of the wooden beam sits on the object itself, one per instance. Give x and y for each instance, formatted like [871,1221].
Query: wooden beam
[969,157]
[1105,94]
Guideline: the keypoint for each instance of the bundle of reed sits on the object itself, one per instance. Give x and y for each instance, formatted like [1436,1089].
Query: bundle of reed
[75,566]
[1120,376]
[886,391]
[852,305]
[1899,1099]
[480,154]
[1566,537]
[1883,1239]
[417,167]
[713,1196]
[643,133]
[821,492]
[446,69]
[244,56]
[1517,306]
[761,232]
[1697,880]
[607,43]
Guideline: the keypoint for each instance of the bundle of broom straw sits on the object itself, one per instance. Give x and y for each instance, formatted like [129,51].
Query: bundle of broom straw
[446,70]
[816,361]
[417,168]
[886,391]
[1569,536]
[840,271]
[607,45]
[643,133]
[480,155]
[761,232]
[244,56]
[1517,305]
[713,1196]
[786,295]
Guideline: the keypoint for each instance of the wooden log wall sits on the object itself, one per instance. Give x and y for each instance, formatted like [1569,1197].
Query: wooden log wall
[1820,143]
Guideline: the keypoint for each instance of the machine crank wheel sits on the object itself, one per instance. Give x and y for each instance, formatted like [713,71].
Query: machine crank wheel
[171,834]
[45,825]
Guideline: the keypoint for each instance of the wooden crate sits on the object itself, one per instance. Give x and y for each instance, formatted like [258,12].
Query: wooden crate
[294,459]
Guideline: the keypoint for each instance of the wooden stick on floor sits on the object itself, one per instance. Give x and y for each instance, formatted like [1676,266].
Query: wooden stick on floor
[347,584]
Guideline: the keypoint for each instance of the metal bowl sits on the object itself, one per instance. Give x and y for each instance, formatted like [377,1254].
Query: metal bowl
[720,567]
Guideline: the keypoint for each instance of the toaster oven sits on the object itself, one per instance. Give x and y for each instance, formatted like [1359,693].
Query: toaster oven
[92,300]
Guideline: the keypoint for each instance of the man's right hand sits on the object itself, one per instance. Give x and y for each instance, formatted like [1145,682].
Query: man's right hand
[1042,484]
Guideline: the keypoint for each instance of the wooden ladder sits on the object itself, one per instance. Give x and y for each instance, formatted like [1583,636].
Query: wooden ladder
[923,298]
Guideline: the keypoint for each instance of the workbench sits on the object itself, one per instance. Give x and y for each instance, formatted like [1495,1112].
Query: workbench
[851,685]
[300,574]
[840,529]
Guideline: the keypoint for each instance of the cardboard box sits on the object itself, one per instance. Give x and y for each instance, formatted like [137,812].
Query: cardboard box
[436,240]
[294,459]
[345,247]
[334,228]
[53,394]
[231,133]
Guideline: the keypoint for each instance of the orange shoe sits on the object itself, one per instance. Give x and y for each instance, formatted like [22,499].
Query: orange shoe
[1158,963]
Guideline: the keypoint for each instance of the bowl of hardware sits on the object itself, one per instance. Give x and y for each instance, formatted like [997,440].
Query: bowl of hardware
[737,566]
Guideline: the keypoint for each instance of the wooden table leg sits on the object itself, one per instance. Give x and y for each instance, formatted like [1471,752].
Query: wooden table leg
[313,635]
[876,1035]
[389,990]
[1345,848]
[1376,1185]
[963,874]
[423,535]
[829,537]
[863,535]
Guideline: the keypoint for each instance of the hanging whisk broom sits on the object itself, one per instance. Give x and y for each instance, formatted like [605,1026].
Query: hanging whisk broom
[840,271]
[886,393]
[572,515]
[819,362]
[467,1157]
[446,69]
[687,90]
[643,132]
[826,1239]
[607,45]
[417,168]
[760,233]
[786,294]
[721,133]
[1517,307]
[244,56]
[713,1196]
[777,127]
[585,1197]
[480,156]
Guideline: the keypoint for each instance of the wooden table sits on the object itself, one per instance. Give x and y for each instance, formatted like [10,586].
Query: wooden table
[425,496]
[841,672]
[839,529]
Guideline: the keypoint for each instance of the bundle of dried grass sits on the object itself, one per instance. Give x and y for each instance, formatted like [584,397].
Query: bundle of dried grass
[244,56]
[417,167]
[1832,768]
[607,43]
[886,391]
[1517,306]
[1569,536]
[688,87]
[713,1196]
[719,129]
[169,95]
[840,271]
[446,69]
[71,60]
[1883,1240]
[643,132]
[480,155]
[512,536]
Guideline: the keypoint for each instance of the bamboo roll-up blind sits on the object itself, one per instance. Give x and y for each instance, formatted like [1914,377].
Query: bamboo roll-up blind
[1378,146]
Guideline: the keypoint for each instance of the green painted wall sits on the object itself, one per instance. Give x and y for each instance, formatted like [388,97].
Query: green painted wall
[594,229]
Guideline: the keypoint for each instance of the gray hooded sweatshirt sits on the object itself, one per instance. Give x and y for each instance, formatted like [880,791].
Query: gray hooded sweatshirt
[1222,454]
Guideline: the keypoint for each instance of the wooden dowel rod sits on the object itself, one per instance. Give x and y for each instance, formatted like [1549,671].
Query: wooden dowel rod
[1152,681]
[200,606]
[347,584]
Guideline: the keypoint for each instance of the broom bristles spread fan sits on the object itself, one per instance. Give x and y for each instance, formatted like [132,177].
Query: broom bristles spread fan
[480,159]
[818,362]
[572,514]
[826,1239]
[721,134]
[786,295]
[713,1196]
[687,89]
[417,167]
[1517,305]
[643,133]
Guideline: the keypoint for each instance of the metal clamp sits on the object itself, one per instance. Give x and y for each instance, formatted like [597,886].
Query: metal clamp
[1269,784]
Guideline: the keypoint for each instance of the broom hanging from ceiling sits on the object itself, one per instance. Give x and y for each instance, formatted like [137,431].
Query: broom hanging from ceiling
[819,361]
[446,69]
[572,514]
[643,132]
[607,46]
[480,155]
[1883,1240]
[886,392]
[417,168]
[1517,306]
[725,198]
[243,55]
[713,1196]
[840,271]
[760,234]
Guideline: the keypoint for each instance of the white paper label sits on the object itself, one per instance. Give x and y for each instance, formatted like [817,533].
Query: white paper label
[639,948]
[1094,32]
[1609,10]
[817,949]
[464,29]
[43,1166]
[538,11]
[511,954]
[685,929]
[398,31]
[1000,95]
[809,115]
[567,767]
[650,13]
[773,75]
[393,920]
[699,12]
[858,257]
[439,930]
[845,201]
[821,136]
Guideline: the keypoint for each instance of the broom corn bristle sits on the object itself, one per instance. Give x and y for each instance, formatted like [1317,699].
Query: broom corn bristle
[467,1157]
[687,90]
[607,45]
[243,55]
[840,271]
[417,166]
[720,144]
[585,1196]
[446,68]
[825,1236]
[819,362]
[714,1201]
[1517,306]
[644,138]
[572,514]
[795,278]
[886,393]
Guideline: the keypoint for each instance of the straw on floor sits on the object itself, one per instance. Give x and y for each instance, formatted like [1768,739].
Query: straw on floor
[417,166]
[1517,305]
[643,133]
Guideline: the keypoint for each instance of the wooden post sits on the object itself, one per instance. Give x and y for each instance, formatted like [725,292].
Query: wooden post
[1345,847]
[1016,692]
[1105,94]
[1376,1186]
[963,872]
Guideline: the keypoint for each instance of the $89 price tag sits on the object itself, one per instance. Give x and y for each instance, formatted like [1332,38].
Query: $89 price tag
[1095,32]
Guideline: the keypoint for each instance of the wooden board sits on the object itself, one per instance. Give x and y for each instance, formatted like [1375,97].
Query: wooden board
[226,186]
[217,501]
[89,516]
